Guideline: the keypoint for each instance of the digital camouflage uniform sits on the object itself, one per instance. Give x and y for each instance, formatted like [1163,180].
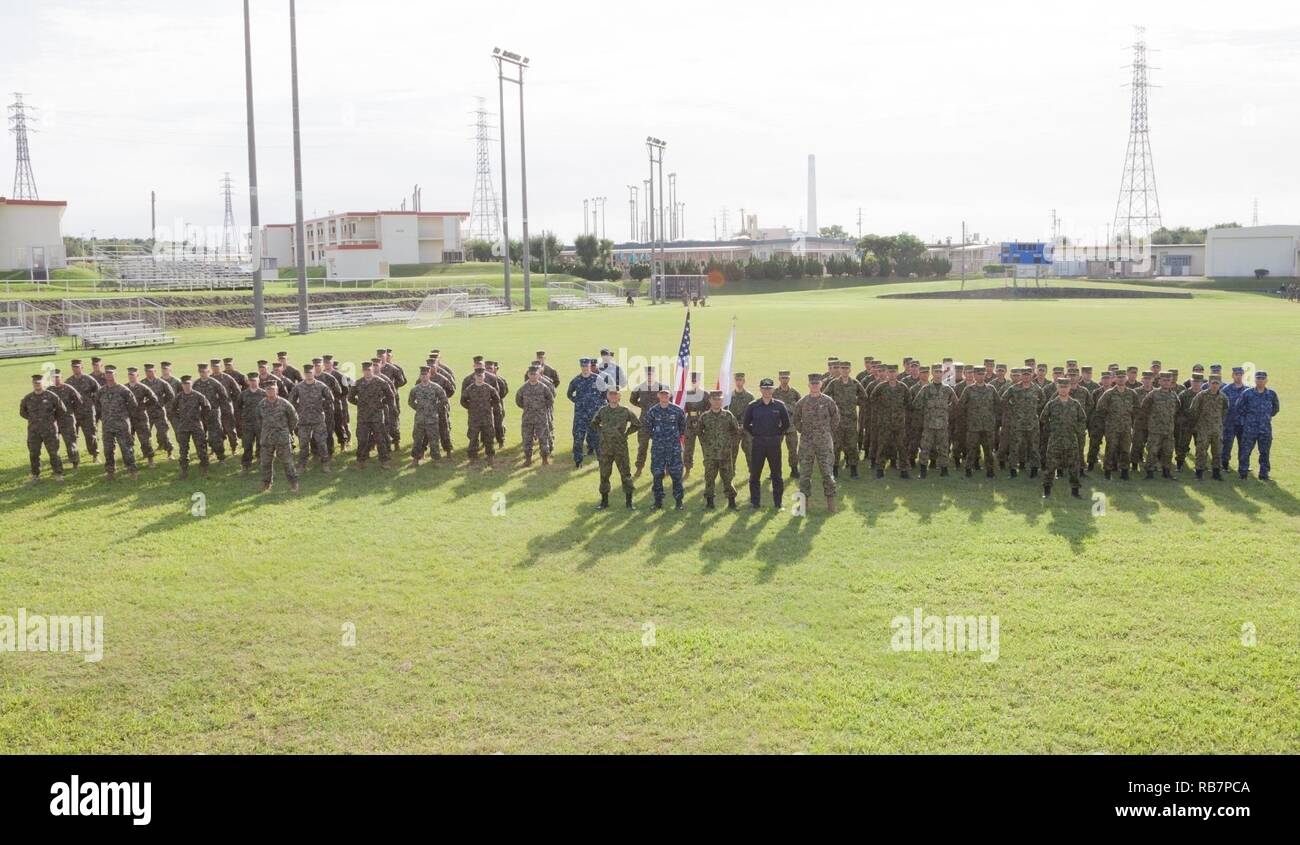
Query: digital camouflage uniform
[979,403]
[484,405]
[249,422]
[1118,409]
[644,397]
[277,420]
[215,392]
[190,413]
[1208,409]
[43,411]
[537,402]
[314,403]
[889,404]
[740,400]
[145,400]
[848,395]
[158,411]
[667,424]
[1138,451]
[1160,411]
[87,414]
[696,402]
[612,425]
[933,405]
[1255,411]
[1063,419]
[372,396]
[116,408]
[1024,404]
[790,396]
[716,432]
[68,422]
[1183,426]
[587,399]
[429,401]
[816,418]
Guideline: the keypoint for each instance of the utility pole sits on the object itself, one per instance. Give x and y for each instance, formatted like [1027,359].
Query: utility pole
[672,204]
[655,147]
[24,181]
[631,202]
[963,247]
[153,211]
[586,216]
[860,222]
[297,173]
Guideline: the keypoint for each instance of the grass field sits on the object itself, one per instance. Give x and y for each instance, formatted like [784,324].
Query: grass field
[554,628]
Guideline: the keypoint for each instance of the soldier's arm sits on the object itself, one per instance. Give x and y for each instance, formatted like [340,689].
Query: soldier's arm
[633,424]
[681,424]
[572,392]
[1276,404]
[293,417]
[22,408]
[783,417]
[594,424]
[464,399]
[63,407]
[410,400]
[835,414]
[519,396]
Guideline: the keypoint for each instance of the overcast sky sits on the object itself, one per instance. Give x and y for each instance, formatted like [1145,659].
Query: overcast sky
[921,114]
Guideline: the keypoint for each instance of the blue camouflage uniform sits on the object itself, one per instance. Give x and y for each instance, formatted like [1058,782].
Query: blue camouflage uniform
[667,426]
[1231,421]
[587,400]
[1255,409]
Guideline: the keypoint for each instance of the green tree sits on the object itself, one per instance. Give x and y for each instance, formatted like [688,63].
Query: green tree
[479,250]
[836,231]
[587,248]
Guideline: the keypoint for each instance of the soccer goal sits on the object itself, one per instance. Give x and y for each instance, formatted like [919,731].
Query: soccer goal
[437,307]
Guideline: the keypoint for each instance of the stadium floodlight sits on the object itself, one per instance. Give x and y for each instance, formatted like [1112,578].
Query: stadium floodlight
[503,57]
[655,147]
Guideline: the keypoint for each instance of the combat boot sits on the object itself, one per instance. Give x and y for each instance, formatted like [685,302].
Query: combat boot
[990,473]
[880,472]
[58,476]
[185,473]
[528,460]
[149,461]
[903,474]
[658,505]
[134,475]
[1181,463]
[677,504]
[708,503]
[1074,491]
[637,474]
[1151,474]
[266,487]
[604,502]
[1123,474]
[923,470]
[1092,465]
[629,501]
[1033,472]
[943,472]
[1217,475]
[1108,475]
[546,460]
[968,472]
[1013,472]
[731,503]
[1200,475]
[1047,490]
[32,479]
[111,473]
[830,504]
[1165,473]
[1263,476]
[1243,474]
[203,472]
[853,471]
[794,473]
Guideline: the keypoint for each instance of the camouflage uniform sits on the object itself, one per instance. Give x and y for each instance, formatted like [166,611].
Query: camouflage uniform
[1160,409]
[933,405]
[249,421]
[696,402]
[644,397]
[612,425]
[1096,425]
[587,400]
[790,396]
[537,401]
[1117,408]
[43,411]
[117,405]
[1063,419]
[667,424]
[1138,452]
[816,418]
[397,378]
[848,396]
[957,424]
[716,432]
[1024,405]
[86,386]
[277,419]
[1208,409]
[215,392]
[314,403]
[1183,426]
[979,403]
[429,401]
[889,404]
[68,422]
[158,411]
[740,400]
[229,419]
[190,414]
[484,405]
[146,400]
[372,396]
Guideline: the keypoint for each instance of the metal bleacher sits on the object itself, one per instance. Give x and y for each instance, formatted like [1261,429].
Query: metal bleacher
[25,330]
[607,294]
[568,296]
[116,323]
[341,317]
[135,268]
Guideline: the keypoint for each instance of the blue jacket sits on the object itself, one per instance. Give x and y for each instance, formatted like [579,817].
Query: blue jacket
[766,420]
[1232,393]
[666,425]
[1256,410]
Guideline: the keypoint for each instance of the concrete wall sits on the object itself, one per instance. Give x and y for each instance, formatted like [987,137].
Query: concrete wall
[1239,252]
[341,263]
[29,224]
[277,243]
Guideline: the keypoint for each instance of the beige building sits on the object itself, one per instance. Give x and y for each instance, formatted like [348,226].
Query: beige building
[366,244]
[31,236]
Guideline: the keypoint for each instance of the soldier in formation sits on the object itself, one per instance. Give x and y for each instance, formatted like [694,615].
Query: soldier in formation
[612,424]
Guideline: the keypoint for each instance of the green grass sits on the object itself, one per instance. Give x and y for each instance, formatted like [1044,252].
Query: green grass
[524,632]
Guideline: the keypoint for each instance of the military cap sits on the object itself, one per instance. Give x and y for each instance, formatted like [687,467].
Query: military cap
[664,390]
[867,359]
[1198,368]
[132,370]
[201,367]
[814,378]
[979,371]
[95,359]
[112,368]
[1197,377]
[262,363]
[831,359]
[1071,362]
[534,368]
[379,361]
[907,360]
[227,360]
[1015,371]
[423,370]
[56,371]
[185,379]
[478,359]
[165,363]
[1042,367]
[434,351]
[582,362]
[936,368]
[282,354]
[365,365]
[148,366]
[1001,367]
[252,374]
[715,394]
[783,374]
[988,361]
[1029,362]
[1167,375]
[1072,371]
[1155,364]
[1216,378]
[767,382]
[388,351]
[541,353]
[379,351]
[1112,366]
[318,360]
[1238,370]
[1260,374]
[37,377]
[1062,382]
[1087,369]
[214,360]
[959,366]
[490,363]
[893,368]
[1131,370]
[76,362]
[1056,370]
[1148,374]
[739,375]
[1216,368]
[327,358]
[605,352]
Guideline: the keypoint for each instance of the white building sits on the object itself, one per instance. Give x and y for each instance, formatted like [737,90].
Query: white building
[367,244]
[1239,252]
[31,236]
[742,249]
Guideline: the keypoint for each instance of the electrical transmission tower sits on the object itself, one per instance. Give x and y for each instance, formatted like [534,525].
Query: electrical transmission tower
[1137,213]
[24,181]
[229,236]
[484,215]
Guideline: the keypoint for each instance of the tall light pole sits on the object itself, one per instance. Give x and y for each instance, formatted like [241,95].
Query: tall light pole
[655,148]
[297,173]
[672,205]
[631,203]
[255,230]
[586,215]
[520,63]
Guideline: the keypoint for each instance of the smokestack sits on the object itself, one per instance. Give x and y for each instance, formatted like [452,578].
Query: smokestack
[812,195]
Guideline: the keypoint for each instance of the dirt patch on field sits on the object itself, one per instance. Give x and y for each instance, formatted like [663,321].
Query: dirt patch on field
[1039,293]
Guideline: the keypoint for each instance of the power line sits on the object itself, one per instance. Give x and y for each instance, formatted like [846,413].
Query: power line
[229,236]
[1137,212]
[24,181]
[485,214]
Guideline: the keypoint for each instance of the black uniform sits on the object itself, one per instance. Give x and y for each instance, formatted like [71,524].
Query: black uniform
[766,423]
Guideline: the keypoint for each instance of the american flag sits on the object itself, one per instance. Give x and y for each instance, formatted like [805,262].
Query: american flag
[683,365]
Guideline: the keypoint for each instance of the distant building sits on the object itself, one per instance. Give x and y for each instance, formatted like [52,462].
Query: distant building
[742,249]
[366,244]
[31,236]
[1240,251]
